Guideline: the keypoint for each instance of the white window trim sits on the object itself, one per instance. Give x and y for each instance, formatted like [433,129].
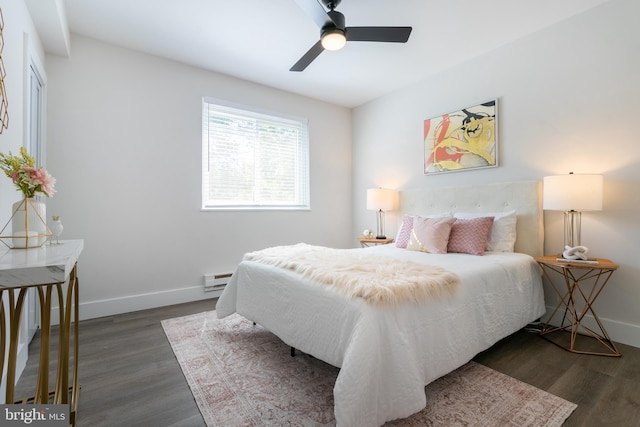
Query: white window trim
[303,187]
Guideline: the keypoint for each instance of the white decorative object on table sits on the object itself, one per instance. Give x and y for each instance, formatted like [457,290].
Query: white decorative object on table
[29,229]
[577,252]
[56,229]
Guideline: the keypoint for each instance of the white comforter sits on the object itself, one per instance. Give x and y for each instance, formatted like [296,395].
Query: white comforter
[388,355]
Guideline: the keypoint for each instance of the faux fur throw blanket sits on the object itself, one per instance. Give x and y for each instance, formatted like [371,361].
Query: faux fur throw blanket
[355,273]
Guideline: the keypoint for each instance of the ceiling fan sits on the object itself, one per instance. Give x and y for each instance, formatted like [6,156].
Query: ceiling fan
[334,33]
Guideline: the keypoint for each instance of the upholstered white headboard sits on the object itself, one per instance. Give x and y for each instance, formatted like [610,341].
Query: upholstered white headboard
[524,196]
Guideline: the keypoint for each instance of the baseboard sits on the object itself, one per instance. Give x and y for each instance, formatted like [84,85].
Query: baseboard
[619,332]
[102,308]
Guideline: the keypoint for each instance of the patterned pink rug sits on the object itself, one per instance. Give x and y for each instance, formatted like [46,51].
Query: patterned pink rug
[242,375]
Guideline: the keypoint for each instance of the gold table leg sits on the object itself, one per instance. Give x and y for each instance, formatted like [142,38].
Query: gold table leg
[574,314]
[15,312]
[68,304]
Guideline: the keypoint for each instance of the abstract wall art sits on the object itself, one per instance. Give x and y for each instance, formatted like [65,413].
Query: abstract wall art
[462,140]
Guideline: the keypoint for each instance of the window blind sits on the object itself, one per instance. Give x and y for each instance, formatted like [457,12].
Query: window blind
[253,159]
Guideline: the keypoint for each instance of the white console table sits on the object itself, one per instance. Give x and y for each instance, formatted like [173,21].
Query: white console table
[52,271]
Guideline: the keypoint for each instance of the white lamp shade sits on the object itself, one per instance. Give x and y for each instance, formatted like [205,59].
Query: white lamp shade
[380,199]
[572,192]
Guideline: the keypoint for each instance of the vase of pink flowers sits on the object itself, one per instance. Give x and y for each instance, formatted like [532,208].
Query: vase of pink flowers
[28,220]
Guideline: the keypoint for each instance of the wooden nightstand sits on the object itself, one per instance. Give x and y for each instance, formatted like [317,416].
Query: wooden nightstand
[582,286]
[368,241]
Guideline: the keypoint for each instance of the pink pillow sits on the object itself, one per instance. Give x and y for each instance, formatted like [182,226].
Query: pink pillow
[502,237]
[469,236]
[430,234]
[405,232]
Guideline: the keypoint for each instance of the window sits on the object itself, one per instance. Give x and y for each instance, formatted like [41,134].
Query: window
[253,159]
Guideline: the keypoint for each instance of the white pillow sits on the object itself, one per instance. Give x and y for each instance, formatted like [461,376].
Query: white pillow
[502,237]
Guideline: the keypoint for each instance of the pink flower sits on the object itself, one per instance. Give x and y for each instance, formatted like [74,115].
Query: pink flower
[28,179]
[47,183]
[39,180]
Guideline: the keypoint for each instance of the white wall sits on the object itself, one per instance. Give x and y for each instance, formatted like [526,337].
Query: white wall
[20,42]
[124,141]
[569,100]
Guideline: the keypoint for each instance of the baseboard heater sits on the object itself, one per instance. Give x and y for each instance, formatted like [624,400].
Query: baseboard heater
[216,282]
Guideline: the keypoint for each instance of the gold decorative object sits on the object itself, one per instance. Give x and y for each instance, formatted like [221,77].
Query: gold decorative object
[4,114]
[27,224]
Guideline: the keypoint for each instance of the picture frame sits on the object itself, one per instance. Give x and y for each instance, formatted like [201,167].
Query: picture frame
[462,140]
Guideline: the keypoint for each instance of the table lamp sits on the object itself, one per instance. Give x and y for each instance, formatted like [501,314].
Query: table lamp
[572,193]
[380,199]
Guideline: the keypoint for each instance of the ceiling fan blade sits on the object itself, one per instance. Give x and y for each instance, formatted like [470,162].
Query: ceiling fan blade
[378,34]
[308,57]
[316,11]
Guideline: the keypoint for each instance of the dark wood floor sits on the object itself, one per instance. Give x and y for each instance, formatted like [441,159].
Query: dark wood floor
[130,377]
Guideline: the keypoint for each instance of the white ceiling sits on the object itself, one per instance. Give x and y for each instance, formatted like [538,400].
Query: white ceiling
[260,40]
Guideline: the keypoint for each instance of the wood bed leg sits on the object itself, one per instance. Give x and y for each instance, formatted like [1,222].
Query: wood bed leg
[293,352]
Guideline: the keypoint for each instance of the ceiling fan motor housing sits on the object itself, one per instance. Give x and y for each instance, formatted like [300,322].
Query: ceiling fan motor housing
[331,4]
[338,22]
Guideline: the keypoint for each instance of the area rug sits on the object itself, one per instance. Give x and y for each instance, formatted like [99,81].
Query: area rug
[242,375]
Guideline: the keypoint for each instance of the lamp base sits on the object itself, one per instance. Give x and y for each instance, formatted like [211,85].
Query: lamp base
[572,226]
[380,234]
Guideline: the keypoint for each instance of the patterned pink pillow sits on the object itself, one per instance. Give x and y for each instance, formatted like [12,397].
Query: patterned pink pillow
[430,234]
[405,232]
[469,236]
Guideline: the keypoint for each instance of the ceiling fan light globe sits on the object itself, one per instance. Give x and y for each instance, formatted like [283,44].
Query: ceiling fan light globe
[333,40]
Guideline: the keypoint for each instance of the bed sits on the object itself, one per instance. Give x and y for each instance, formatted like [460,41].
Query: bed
[388,353]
